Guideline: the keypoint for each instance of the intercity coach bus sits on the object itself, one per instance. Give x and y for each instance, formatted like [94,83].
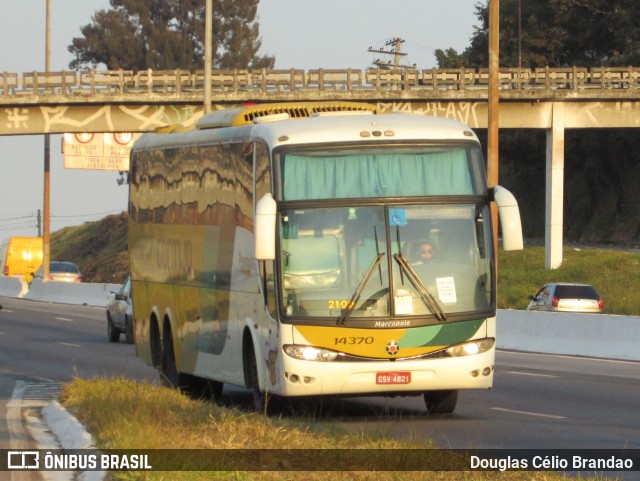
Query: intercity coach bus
[278,247]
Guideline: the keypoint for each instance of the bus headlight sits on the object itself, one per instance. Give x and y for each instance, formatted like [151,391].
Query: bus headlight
[471,347]
[310,353]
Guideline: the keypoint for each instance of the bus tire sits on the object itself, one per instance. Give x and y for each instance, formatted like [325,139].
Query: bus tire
[440,402]
[252,381]
[128,330]
[169,375]
[113,333]
[155,342]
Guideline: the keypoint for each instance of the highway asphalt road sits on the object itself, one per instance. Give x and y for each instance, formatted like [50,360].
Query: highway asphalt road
[538,401]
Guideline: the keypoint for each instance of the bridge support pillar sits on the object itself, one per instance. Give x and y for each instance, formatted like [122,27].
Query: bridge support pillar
[554,188]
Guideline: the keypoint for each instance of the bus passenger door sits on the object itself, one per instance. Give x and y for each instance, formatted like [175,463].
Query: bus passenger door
[269,325]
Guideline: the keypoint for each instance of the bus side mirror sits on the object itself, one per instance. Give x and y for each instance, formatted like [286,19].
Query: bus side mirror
[265,228]
[509,219]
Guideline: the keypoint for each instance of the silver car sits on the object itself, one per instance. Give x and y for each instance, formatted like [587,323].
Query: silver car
[120,314]
[566,297]
[61,271]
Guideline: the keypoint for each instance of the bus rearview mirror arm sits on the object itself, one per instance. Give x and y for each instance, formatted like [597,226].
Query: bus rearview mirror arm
[510,222]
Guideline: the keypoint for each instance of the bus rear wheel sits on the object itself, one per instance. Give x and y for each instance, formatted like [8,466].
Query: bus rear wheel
[440,402]
[169,375]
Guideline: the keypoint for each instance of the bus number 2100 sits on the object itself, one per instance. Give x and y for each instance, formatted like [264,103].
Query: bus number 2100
[352,340]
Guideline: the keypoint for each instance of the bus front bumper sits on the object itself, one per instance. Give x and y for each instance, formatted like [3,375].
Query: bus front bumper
[313,378]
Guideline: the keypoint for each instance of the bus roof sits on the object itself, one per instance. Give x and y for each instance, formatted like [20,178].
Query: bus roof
[309,123]
[358,128]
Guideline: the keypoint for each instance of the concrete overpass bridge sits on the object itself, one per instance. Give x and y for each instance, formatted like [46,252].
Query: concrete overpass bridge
[553,99]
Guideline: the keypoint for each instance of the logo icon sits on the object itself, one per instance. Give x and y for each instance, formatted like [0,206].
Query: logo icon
[392,348]
[23,460]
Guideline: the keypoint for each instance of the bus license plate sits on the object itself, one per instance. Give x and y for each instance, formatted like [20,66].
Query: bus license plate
[393,378]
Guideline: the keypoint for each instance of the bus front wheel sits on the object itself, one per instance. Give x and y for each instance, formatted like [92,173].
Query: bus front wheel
[259,397]
[440,402]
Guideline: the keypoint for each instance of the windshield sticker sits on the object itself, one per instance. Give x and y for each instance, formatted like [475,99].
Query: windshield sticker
[446,290]
[397,217]
[404,305]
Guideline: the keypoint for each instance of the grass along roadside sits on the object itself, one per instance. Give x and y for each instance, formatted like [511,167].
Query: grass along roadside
[123,414]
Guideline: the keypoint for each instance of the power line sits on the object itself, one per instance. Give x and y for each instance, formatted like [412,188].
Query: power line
[111,212]
[18,218]
[19,226]
[91,214]
[32,221]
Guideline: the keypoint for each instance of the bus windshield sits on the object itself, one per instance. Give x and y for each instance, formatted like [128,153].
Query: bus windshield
[423,170]
[425,263]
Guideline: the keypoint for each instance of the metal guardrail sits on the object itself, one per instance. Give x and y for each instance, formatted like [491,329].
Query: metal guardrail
[74,84]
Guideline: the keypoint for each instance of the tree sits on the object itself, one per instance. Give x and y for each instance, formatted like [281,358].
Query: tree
[601,165]
[449,58]
[559,33]
[169,34]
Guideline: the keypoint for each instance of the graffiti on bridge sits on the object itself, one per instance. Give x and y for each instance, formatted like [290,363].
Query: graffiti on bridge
[466,112]
[106,118]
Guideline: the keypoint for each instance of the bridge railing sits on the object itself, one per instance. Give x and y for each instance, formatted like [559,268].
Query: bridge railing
[177,82]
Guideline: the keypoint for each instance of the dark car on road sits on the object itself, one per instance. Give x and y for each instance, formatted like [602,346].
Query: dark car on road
[120,314]
[567,297]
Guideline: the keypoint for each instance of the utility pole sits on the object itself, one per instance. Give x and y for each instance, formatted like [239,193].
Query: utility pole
[208,55]
[519,33]
[493,126]
[46,235]
[396,52]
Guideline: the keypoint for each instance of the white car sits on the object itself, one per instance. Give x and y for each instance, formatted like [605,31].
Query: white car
[120,314]
[567,297]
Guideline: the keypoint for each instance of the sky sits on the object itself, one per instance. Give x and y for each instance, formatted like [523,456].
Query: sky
[302,34]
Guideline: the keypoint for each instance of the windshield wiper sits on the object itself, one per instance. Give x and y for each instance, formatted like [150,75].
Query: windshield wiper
[358,292]
[424,292]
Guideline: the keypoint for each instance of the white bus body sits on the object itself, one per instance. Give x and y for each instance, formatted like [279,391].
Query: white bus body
[276,247]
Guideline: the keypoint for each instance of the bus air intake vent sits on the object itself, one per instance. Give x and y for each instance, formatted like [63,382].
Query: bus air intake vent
[247,114]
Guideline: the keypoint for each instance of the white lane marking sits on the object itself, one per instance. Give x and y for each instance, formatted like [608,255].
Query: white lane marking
[527,413]
[63,319]
[69,344]
[520,373]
